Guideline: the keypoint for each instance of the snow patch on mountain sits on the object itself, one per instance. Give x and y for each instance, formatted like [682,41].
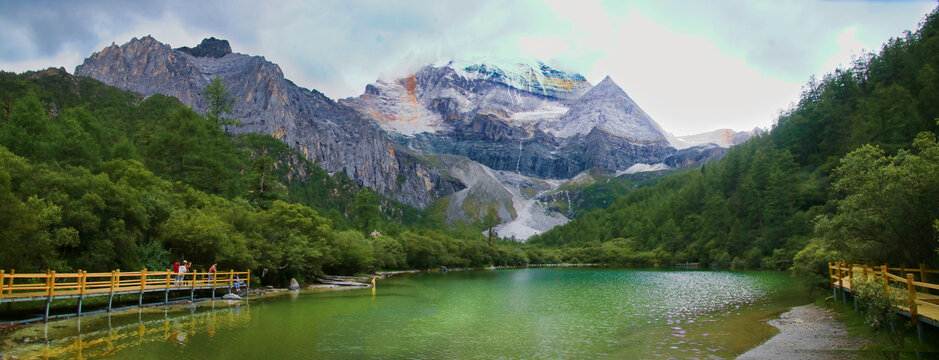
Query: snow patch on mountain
[548,112]
[537,78]
[640,167]
[533,219]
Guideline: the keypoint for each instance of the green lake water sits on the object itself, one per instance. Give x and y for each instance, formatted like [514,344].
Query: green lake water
[547,313]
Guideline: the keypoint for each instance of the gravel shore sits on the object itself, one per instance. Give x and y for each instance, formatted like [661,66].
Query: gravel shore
[807,332]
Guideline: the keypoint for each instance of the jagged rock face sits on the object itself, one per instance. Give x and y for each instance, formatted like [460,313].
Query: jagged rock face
[210,47]
[607,108]
[332,136]
[410,138]
[541,122]
[514,198]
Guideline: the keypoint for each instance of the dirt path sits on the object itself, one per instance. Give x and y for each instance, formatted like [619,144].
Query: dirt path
[807,332]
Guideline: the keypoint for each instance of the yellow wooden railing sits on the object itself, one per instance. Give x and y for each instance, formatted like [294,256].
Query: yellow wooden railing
[82,283]
[923,295]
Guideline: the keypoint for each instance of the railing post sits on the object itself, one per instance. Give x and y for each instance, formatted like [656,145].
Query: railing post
[835,273]
[81,289]
[82,279]
[922,277]
[192,286]
[912,289]
[247,284]
[10,287]
[143,285]
[111,296]
[1,284]
[883,272]
[854,284]
[166,291]
[50,283]
[841,282]
[831,280]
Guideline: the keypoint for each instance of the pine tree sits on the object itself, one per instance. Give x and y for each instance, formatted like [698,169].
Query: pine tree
[220,102]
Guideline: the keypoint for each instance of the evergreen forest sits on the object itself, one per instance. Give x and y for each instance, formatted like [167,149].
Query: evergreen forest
[850,172]
[96,178]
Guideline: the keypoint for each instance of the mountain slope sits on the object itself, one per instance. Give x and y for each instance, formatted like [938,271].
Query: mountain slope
[847,173]
[90,179]
[534,120]
[513,197]
[328,134]
[528,119]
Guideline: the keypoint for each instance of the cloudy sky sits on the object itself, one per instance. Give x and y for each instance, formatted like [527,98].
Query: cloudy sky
[692,65]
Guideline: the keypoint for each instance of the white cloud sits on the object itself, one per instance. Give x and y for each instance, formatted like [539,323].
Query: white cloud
[849,48]
[542,47]
[59,59]
[687,84]
[693,66]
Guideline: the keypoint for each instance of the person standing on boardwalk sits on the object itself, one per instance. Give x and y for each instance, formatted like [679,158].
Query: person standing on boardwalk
[176,272]
[212,271]
[182,270]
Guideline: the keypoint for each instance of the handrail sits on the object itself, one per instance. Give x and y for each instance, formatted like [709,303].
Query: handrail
[50,284]
[914,282]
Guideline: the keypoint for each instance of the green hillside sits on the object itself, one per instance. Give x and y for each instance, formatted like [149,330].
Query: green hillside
[851,172]
[95,178]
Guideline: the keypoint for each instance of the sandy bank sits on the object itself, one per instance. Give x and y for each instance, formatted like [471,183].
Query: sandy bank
[807,332]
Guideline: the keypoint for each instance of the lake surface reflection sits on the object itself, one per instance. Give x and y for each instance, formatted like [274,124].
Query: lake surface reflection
[526,313]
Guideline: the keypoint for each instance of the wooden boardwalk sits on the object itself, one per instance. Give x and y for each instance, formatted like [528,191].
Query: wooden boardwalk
[913,284]
[51,286]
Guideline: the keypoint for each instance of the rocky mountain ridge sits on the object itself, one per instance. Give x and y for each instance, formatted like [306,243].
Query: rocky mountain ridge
[529,125]
[330,135]
[477,136]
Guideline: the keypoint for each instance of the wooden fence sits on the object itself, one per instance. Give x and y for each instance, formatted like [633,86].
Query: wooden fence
[50,285]
[914,284]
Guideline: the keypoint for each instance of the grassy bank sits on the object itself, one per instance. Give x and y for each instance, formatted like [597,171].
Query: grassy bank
[900,342]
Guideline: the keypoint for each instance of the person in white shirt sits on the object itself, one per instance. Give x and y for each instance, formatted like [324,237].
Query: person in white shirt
[182,270]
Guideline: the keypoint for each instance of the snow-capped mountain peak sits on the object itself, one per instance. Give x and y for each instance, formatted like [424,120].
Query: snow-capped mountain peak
[606,107]
[536,78]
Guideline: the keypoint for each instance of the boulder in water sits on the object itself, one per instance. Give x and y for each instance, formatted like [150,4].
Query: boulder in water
[231,297]
[294,285]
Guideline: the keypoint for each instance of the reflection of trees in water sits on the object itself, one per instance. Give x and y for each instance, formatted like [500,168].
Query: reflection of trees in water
[112,339]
